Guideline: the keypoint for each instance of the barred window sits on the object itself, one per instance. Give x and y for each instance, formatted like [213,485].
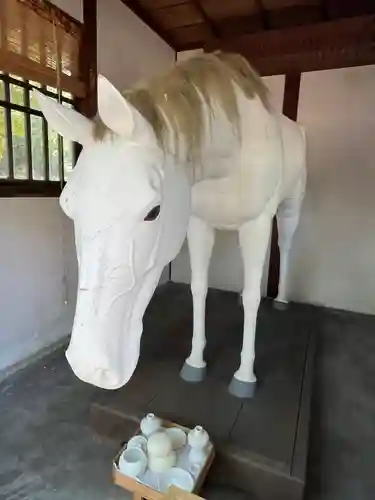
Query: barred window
[29,149]
[39,48]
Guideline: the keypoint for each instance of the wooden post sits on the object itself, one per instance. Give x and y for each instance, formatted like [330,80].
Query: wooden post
[290,109]
[291,95]
[88,60]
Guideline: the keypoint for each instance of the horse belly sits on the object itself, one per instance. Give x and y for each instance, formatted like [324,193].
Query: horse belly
[223,203]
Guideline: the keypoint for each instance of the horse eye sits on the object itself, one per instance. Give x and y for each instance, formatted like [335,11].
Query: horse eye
[153,213]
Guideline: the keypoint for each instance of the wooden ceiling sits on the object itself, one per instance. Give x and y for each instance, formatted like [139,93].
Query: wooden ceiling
[189,24]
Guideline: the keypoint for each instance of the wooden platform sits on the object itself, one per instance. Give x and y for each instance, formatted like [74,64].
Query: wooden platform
[261,443]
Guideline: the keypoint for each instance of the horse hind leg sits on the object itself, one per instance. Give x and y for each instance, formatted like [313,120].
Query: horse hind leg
[201,238]
[254,238]
[288,215]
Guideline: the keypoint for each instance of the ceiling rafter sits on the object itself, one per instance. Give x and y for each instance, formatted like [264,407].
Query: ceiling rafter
[188,24]
[263,13]
[324,10]
[214,32]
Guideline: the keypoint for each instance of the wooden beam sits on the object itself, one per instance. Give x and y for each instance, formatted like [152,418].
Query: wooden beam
[147,18]
[207,20]
[324,10]
[291,95]
[295,15]
[290,109]
[27,188]
[317,36]
[342,8]
[88,60]
[237,25]
[263,13]
[316,61]
[325,45]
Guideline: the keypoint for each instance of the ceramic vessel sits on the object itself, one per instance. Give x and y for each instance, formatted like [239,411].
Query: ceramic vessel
[133,462]
[177,477]
[162,464]
[197,456]
[150,424]
[178,437]
[194,469]
[159,445]
[138,442]
[198,437]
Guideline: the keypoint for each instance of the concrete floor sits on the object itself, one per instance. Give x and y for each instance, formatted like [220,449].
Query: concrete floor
[48,451]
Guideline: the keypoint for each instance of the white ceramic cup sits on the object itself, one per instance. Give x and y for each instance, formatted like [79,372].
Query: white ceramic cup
[178,477]
[133,462]
[137,442]
[178,437]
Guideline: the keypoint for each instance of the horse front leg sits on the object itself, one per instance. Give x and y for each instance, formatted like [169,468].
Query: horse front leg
[201,238]
[254,239]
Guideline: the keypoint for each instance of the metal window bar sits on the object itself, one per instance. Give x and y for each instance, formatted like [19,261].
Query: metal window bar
[17,107]
[45,143]
[28,134]
[60,145]
[8,130]
[45,149]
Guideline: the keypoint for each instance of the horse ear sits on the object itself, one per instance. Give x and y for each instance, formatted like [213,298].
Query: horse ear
[65,121]
[119,115]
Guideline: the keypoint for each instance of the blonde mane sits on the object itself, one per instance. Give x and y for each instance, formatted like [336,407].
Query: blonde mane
[174,103]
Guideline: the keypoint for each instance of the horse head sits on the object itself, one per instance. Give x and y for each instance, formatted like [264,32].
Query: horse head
[130,204]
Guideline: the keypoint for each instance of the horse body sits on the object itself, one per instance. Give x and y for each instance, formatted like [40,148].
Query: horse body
[257,178]
[196,151]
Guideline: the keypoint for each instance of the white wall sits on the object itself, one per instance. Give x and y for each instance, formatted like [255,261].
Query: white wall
[71,7]
[333,255]
[226,271]
[36,291]
[37,255]
[128,50]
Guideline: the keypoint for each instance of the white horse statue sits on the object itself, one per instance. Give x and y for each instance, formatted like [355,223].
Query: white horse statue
[195,150]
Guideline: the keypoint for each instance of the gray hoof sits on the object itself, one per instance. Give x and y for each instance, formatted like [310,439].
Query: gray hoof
[280,306]
[242,389]
[192,374]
